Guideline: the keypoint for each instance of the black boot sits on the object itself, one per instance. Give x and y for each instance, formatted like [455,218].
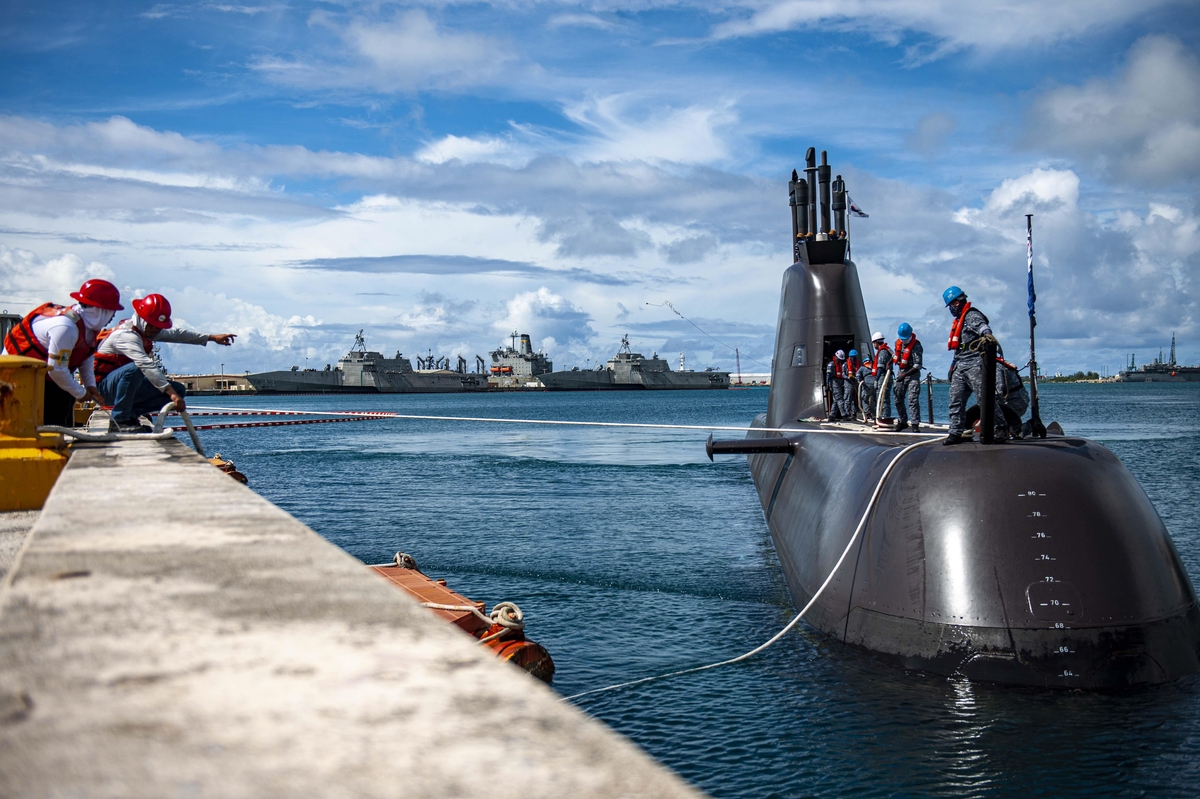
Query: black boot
[952,439]
[901,427]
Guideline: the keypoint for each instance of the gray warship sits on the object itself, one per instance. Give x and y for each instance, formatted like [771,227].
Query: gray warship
[1032,562]
[518,366]
[1161,370]
[363,371]
[628,370]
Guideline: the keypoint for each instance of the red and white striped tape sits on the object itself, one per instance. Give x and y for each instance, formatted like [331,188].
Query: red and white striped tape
[232,425]
[205,410]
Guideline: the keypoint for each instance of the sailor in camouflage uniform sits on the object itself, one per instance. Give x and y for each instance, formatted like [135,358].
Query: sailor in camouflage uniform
[865,395]
[880,386]
[968,335]
[909,354]
[838,379]
[1012,394]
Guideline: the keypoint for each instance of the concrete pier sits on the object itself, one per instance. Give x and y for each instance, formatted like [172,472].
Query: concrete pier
[164,631]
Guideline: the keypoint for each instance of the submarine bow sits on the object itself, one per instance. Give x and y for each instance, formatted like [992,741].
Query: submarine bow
[1036,562]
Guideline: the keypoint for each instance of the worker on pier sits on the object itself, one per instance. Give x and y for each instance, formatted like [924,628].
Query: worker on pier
[864,387]
[881,378]
[838,379]
[969,334]
[130,379]
[909,354]
[66,339]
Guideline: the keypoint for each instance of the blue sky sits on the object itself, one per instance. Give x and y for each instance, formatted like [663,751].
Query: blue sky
[442,173]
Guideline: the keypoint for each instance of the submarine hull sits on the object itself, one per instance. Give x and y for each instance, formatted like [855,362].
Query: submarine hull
[1034,563]
[1038,562]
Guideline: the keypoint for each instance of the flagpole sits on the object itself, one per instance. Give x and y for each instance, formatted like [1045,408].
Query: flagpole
[849,255]
[1035,419]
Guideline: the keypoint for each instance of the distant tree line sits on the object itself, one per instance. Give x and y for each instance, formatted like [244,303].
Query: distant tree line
[1075,378]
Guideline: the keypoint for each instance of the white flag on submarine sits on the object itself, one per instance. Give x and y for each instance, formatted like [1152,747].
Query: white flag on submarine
[855,210]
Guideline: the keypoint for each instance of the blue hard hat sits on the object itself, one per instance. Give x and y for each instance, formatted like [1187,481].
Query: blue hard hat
[853,353]
[904,331]
[951,294]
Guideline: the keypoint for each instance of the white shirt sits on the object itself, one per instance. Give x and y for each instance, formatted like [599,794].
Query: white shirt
[125,340]
[59,334]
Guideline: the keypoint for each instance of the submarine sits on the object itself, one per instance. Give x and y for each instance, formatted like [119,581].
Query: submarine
[1032,562]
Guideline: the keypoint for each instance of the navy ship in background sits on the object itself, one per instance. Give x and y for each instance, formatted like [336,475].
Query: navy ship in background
[628,370]
[1160,371]
[363,371]
[518,366]
[1036,562]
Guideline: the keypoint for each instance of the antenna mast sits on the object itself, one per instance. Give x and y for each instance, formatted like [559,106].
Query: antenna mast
[1035,418]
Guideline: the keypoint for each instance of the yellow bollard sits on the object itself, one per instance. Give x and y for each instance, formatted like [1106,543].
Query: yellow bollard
[30,461]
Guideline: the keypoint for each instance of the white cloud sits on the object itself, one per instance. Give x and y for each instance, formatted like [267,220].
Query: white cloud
[229,253]
[465,149]
[27,280]
[403,54]
[987,25]
[579,21]
[632,128]
[1142,125]
[1040,190]
[554,321]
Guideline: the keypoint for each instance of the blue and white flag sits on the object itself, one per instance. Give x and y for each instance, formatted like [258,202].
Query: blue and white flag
[1029,254]
[855,210]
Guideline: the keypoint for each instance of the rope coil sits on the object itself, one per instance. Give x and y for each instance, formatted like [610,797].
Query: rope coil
[504,614]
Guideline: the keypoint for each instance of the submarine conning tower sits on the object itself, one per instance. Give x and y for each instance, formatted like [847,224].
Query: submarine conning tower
[1037,562]
[821,307]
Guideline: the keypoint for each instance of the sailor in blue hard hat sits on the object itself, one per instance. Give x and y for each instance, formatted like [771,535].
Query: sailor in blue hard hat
[909,354]
[968,335]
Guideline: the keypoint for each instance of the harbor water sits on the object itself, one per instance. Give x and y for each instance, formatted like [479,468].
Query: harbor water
[632,555]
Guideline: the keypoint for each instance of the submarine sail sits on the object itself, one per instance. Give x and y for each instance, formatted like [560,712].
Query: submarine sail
[1032,562]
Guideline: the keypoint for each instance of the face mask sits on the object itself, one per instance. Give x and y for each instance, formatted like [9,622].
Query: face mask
[95,318]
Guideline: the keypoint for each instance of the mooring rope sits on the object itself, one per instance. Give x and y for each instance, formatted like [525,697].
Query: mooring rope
[826,427]
[862,523]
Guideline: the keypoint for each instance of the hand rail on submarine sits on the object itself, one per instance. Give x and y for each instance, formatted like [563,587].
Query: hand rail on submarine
[748,446]
[784,445]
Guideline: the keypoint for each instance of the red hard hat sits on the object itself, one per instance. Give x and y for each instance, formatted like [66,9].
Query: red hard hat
[99,293]
[155,309]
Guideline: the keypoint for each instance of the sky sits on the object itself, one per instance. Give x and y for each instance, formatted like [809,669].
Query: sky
[442,174]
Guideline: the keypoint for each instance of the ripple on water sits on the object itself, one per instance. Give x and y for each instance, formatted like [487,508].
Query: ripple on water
[632,555]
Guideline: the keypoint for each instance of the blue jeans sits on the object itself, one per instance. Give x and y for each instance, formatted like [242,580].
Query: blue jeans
[131,394]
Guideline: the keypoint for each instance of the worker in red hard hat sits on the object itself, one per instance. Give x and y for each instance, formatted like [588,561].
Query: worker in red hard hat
[131,381]
[66,338]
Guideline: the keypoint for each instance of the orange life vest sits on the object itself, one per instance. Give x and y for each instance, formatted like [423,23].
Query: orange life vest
[956,328]
[904,352]
[841,368]
[21,340]
[875,361]
[108,362]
